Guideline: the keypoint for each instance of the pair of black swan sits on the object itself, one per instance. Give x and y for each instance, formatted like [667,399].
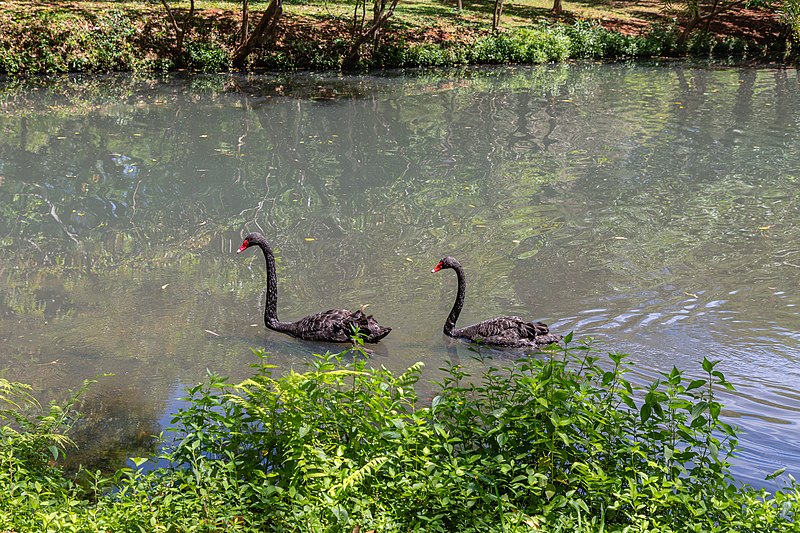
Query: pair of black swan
[338,325]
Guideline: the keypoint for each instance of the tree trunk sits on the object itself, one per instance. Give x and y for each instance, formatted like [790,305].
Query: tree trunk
[180,31]
[265,29]
[696,16]
[498,11]
[381,15]
[693,22]
[245,21]
[557,8]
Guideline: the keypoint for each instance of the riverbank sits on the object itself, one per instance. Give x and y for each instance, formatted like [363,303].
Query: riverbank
[131,36]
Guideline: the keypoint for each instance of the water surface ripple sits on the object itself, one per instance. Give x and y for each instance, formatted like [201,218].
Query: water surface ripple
[653,208]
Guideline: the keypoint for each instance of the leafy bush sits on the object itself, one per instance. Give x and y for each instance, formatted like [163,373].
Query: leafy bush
[432,55]
[589,40]
[560,441]
[206,56]
[51,40]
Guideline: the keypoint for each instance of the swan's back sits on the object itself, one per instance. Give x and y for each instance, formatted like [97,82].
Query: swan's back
[509,331]
[338,325]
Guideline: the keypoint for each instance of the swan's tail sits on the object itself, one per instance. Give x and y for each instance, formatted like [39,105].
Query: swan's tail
[370,327]
[550,338]
[537,329]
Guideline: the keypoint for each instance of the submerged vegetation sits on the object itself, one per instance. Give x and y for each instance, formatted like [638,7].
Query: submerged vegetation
[559,441]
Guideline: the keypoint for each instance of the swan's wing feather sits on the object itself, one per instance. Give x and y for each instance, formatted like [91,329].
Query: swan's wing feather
[496,327]
[509,331]
[536,342]
[331,326]
[338,325]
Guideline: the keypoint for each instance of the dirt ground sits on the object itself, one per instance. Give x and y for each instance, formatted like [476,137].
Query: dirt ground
[753,24]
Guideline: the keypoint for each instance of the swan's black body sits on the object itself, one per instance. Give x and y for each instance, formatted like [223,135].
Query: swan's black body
[334,325]
[500,331]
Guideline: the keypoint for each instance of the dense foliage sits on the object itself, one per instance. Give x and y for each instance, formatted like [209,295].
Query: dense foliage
[65,40]
[560,441]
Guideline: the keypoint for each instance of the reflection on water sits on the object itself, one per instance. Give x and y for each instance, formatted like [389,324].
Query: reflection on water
[654,208]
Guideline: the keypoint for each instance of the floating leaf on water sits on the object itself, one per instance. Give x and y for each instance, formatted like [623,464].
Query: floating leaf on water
[620,238]
[409,260]
[203,136]
[516,241]
[691,294]
[164,286]
[480,225]
[309,239]
[212,332]
[765,228]
[254,325]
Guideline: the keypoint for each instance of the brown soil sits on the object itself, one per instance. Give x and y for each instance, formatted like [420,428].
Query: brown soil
[756,25]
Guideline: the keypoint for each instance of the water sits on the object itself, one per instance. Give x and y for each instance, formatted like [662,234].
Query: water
[654,208]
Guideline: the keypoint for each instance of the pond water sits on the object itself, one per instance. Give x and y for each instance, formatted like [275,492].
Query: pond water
[654,208]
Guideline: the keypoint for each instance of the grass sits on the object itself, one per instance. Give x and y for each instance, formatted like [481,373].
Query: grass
[556,442]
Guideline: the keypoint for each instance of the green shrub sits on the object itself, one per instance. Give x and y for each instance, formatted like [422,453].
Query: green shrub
[559,441]
[662,40]
[206,56]
[432,55]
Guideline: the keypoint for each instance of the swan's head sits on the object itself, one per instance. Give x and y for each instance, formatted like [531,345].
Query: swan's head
[447,262]
[250,240]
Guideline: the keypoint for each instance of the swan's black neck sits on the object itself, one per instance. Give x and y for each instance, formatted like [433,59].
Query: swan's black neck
[271,308]
[450,323]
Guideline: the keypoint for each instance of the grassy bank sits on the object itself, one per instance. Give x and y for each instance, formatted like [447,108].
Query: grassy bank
[134,36]
[557,442]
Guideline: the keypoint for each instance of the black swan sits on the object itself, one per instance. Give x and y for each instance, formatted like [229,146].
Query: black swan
[499,331]
[334,325]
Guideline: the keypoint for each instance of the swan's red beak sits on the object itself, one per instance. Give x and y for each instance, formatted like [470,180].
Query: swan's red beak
[437,268]
[243,247]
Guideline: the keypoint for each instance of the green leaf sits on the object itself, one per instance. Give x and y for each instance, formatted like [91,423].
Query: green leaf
[645,412]
[694,384]
[775,474]
[138,461]
[501,439]
[699,408]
